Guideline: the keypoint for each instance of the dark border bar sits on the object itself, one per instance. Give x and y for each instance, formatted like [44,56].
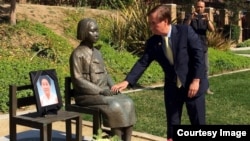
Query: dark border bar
[212,132]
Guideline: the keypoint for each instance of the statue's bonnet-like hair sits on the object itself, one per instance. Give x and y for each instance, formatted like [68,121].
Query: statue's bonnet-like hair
[83,27]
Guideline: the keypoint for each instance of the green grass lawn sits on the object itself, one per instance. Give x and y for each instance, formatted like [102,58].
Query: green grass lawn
[229,105]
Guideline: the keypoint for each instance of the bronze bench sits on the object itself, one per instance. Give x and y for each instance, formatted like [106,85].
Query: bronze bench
[71,106]
[35,120]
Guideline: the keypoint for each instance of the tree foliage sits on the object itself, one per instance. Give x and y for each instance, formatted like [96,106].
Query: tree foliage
[236,6]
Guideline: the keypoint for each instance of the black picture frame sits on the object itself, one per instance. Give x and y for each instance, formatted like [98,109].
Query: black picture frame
[45,83]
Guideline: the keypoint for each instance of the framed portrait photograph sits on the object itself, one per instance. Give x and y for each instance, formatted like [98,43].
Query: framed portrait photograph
[46,90]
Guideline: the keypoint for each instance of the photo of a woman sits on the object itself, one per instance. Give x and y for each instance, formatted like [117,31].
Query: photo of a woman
[46,89]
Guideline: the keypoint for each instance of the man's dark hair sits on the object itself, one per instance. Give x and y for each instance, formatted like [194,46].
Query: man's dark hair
[163,12]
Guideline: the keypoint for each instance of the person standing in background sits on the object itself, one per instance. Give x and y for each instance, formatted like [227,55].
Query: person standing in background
[200,22]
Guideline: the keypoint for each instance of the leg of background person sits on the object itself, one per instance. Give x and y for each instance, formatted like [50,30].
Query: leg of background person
[207,70]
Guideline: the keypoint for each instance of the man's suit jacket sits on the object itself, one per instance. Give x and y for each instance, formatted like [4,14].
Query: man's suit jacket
[188,57]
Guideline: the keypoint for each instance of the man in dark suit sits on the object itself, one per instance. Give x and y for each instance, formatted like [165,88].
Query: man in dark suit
[185,77]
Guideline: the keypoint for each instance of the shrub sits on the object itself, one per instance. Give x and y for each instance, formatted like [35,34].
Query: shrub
[100,134]
[244,44]
[110,4]
[117,4]
[232,32]
[218,41]
[130,27]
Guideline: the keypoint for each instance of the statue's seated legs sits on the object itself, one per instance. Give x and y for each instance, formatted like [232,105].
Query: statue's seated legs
[125,133]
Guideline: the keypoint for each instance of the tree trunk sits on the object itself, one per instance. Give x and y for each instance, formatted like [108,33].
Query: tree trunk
[13,12]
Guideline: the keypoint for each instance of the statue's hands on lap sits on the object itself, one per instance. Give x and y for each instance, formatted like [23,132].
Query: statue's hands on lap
[108,92]
[105,92]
